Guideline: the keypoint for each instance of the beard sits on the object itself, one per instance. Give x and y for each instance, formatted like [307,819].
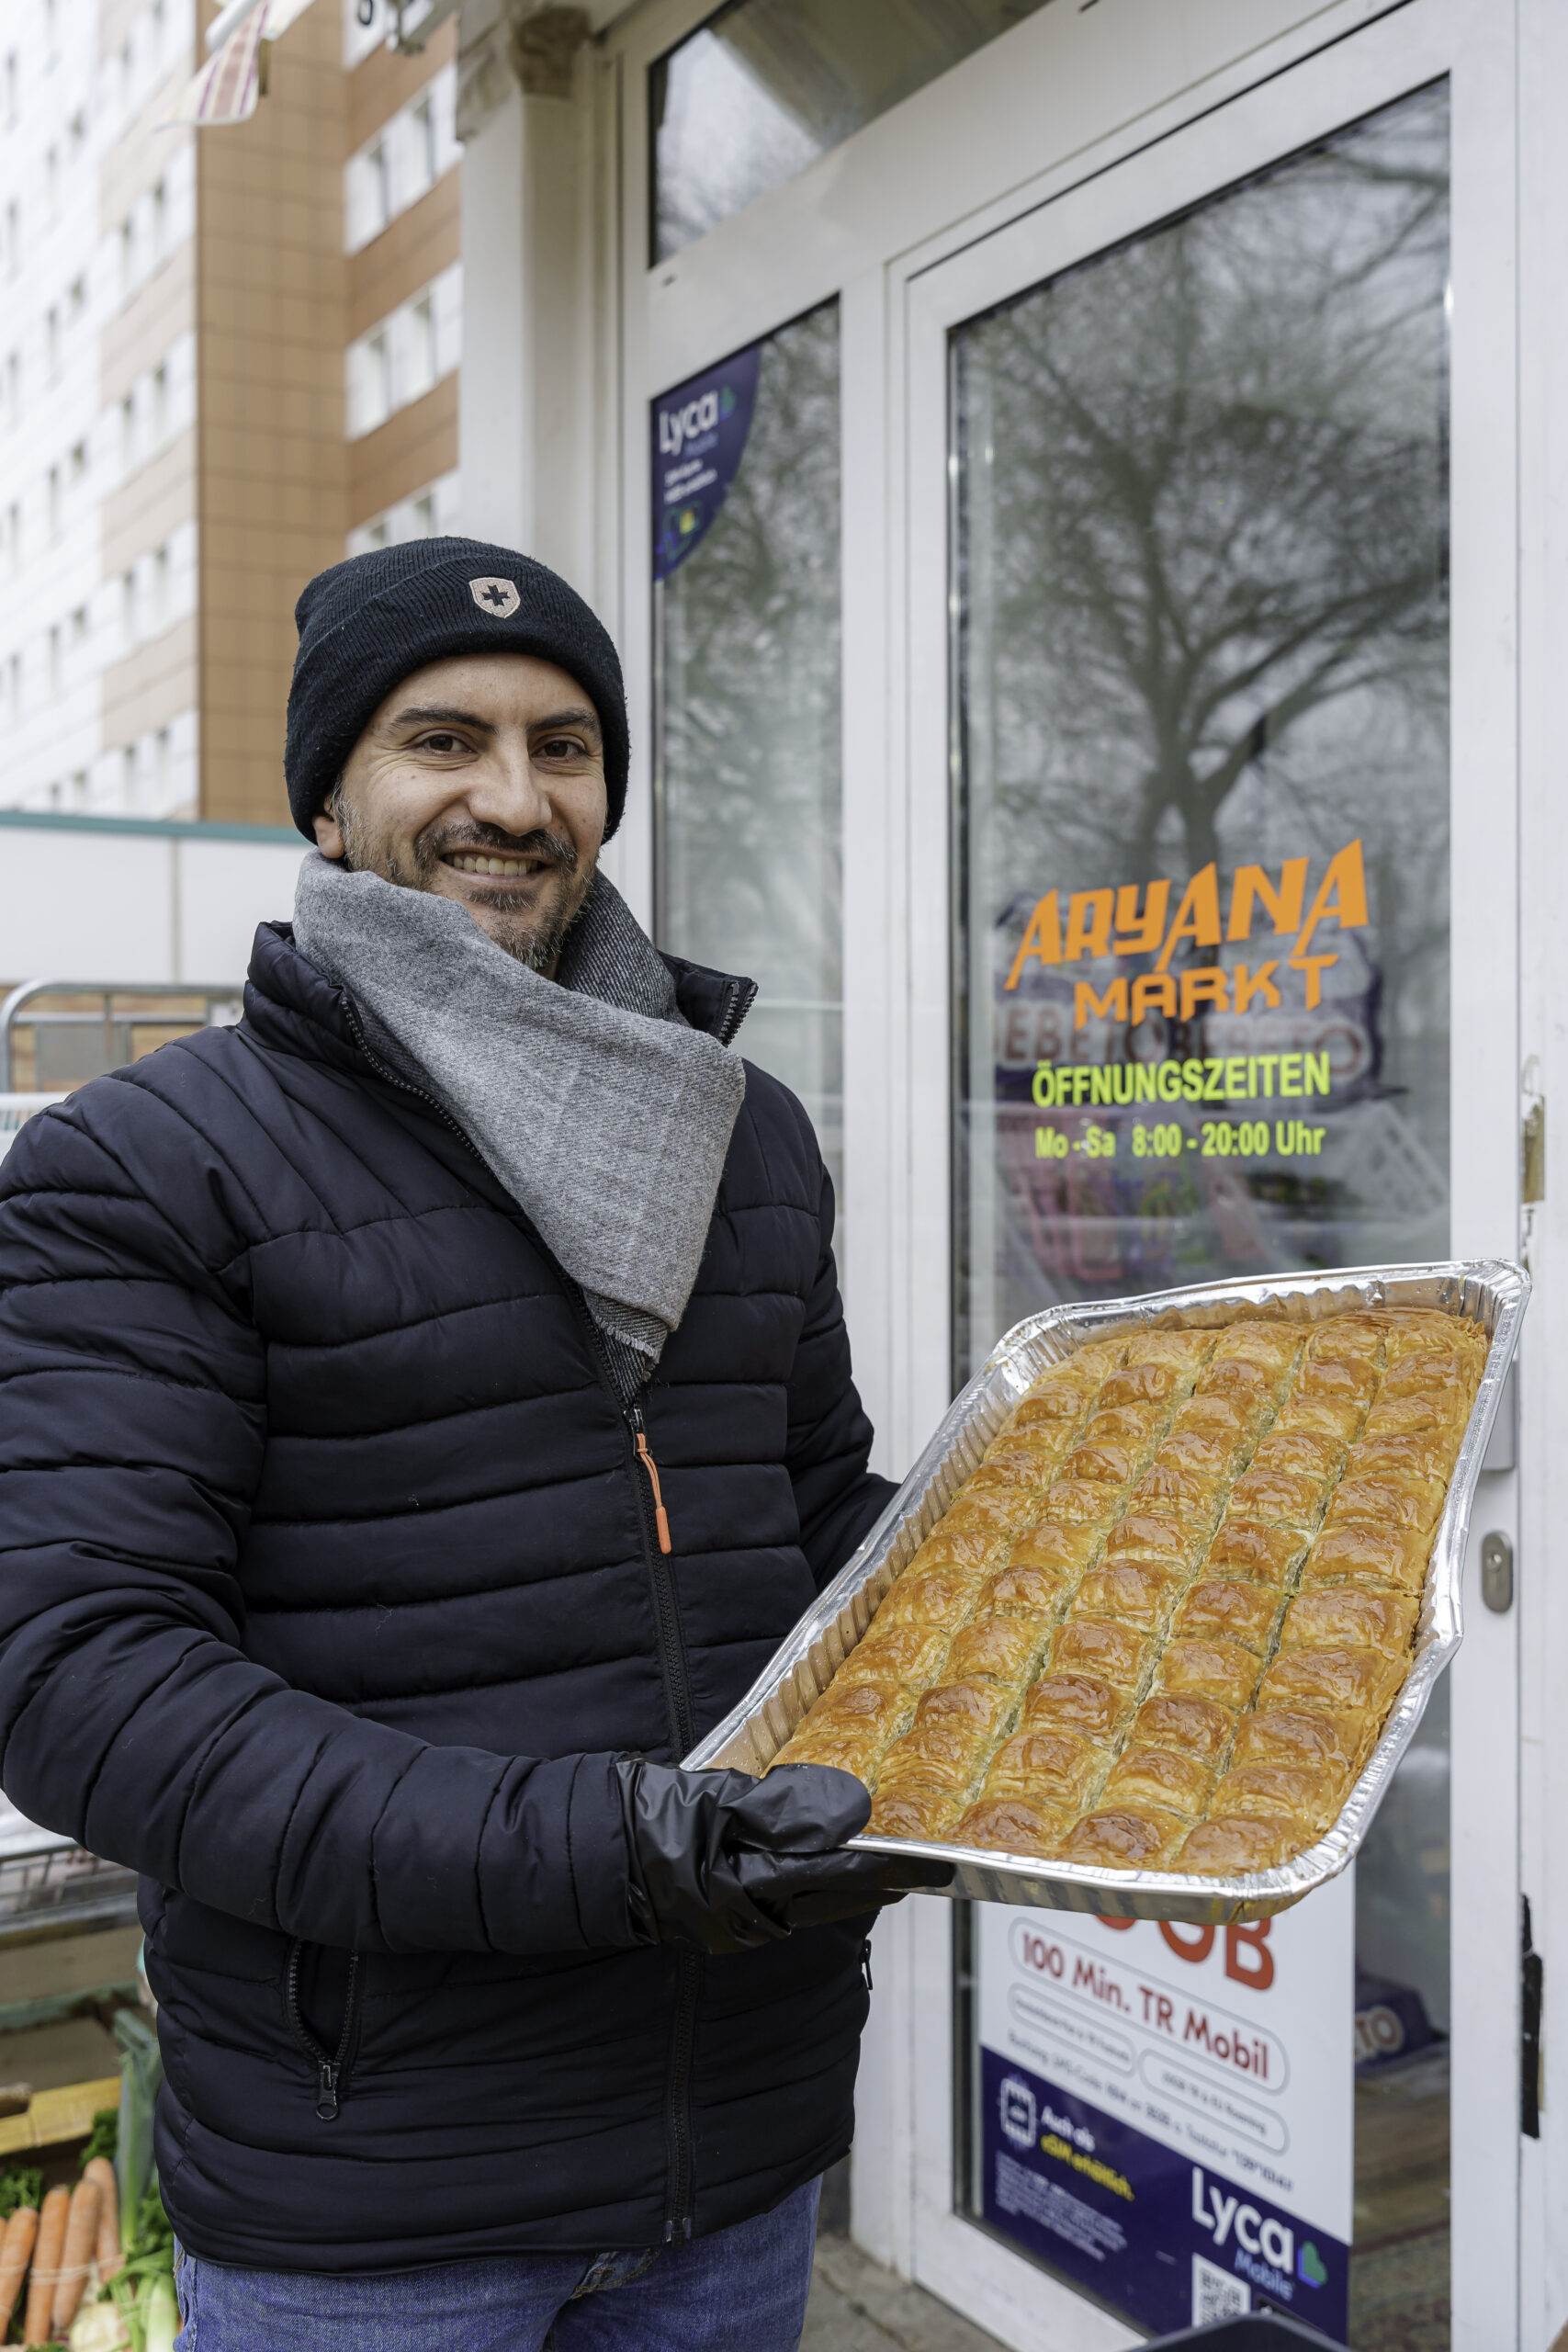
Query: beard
[535,934]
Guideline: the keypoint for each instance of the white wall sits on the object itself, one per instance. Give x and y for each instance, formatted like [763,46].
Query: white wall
[139,903]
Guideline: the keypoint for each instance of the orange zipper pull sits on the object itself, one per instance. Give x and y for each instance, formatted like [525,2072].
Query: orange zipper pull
[660,1520]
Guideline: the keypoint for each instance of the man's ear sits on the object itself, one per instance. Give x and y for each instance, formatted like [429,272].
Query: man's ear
[329,834]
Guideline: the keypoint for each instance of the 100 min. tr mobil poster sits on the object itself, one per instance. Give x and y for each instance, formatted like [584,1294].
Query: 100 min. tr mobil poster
[1167,2110]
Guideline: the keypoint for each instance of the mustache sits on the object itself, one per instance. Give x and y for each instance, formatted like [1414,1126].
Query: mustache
[490,841]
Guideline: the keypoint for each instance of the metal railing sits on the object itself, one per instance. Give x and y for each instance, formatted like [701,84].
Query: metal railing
[221,1006]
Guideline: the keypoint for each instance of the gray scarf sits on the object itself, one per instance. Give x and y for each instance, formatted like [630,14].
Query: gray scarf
[606,1117]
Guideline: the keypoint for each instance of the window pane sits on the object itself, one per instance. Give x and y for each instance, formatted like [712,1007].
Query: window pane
[765,86]
[1201,944]
[747,739]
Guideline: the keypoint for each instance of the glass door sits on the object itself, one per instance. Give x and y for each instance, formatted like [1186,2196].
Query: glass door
[1195,428]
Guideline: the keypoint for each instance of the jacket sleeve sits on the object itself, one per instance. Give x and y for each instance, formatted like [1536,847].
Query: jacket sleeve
[837,1497]
[132,1430]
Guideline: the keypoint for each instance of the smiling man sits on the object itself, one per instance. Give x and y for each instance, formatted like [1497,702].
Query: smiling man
[424,1409]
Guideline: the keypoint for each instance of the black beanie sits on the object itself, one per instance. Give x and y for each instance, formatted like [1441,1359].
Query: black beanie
[370,622]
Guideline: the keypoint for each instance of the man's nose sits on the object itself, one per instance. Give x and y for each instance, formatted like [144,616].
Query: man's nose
[509,791]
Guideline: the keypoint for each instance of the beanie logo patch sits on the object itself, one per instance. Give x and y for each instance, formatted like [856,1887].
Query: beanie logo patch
[497,597]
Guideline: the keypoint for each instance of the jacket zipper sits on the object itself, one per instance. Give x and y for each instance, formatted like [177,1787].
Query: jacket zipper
[678,2101]
[654,1531]
[330,2083]
[639,1438]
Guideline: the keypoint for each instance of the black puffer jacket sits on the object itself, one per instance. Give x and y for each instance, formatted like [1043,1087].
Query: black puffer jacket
[326,1592]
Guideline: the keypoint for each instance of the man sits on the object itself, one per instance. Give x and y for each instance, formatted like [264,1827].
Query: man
[423,1410]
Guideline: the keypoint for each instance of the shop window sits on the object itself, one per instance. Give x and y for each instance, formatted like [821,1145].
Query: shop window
[765,86]
[747,724]
[1201,962]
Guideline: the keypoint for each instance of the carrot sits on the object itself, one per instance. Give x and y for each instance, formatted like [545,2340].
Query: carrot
[81,2237]
[110,2253]
[46,2265]
[15,2248]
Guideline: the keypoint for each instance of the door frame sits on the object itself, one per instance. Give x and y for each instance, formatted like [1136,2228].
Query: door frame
[1089,124]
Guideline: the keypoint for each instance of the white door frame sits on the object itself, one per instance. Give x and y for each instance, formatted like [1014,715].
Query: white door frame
[1089,124]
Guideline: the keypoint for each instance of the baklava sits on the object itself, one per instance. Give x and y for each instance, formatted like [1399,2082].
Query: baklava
[1163,1624]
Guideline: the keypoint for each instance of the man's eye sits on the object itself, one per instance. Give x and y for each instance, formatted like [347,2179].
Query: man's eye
[442,743]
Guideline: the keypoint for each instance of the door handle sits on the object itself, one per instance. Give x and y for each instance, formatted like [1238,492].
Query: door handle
[1497,1572]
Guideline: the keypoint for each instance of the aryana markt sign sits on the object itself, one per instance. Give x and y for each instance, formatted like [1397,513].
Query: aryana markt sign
[1128,921]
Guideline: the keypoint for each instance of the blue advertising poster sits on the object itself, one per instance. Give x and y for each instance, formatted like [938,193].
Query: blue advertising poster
[699,439]
[1167,2110]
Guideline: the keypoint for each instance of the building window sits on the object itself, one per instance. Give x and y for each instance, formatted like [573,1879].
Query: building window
[159,404]
[759,91]
[424,514]
[13,387]
[13,87]
[423,122]
[421,348]
[79,626]
[51,343]
[79,461]
[51,186]
[160,221]
[127,429]
[161,587]
[127,609]
[54,503]
[14,534]
[76,298]
[13,238]
[56,661]
[14,685]
[127,256]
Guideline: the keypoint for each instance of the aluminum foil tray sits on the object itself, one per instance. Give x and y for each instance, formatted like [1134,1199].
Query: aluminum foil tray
[1487,1291]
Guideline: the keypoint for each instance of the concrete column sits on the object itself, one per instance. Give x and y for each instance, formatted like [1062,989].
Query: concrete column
[525,405]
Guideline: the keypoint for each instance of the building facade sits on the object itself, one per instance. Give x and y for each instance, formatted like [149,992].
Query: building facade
[231,358]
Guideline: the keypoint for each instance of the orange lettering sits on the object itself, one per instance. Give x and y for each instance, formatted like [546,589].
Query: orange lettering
[1314,967]
[1111,1006]
[1153,993]
[1284,904]
[1206,985]
[1089,924]
[1258,1972]
[1247,986]
[1140,934]
[1342,893]
[1198,916]
[1041,939]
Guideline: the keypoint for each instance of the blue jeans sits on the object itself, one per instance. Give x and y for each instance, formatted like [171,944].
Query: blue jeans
[745,2286]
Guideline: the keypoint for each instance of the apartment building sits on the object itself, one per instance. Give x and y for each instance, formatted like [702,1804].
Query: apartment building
[228,356]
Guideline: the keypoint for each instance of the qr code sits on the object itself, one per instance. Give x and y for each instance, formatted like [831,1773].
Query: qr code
[1216,2294]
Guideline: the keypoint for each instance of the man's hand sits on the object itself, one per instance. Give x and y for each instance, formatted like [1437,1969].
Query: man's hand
[722,1863]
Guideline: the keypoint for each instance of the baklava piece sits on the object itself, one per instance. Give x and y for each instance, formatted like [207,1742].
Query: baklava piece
[1190,1727]
[1138,1593]
[1374,1557]
[901,1654]
[999,1649]
[1256,1555]
[1083,1702]
[1158,1778]
[944,1598]
[1125,1837]
[954,1729]
[1373,1621]
[1225,1609]
[1227,1848]
[1011,1825]
[913,1812]
[1032,1592]
[1220,1671]
[1105,1649]
[1050,1768]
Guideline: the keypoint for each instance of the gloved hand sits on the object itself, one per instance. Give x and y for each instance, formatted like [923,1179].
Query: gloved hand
[722,1863]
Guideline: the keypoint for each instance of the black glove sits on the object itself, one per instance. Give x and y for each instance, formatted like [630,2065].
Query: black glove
[722,1863]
